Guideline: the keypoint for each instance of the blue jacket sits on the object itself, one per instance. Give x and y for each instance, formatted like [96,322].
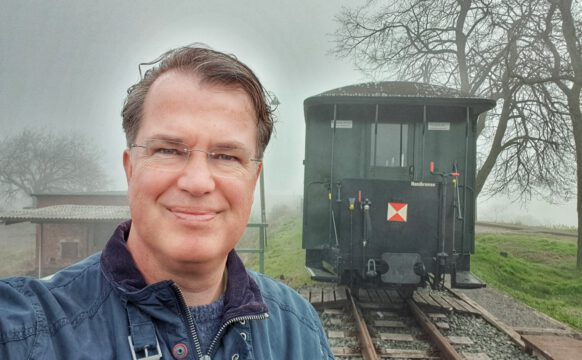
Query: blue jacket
[101,308]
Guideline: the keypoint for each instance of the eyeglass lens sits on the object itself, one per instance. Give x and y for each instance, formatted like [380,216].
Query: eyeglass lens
[173,156]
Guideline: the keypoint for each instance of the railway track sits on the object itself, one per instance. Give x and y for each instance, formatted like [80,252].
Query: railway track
[381,324]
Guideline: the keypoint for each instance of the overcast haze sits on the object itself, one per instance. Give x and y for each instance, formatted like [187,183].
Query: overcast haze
[66,65]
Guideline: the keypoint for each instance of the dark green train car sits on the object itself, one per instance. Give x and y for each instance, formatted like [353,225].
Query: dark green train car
[389,184]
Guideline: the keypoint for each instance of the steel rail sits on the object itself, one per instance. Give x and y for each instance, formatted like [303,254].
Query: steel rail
[448,352]
[366,344]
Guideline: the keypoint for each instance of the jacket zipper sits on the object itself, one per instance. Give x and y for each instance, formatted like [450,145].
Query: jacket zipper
[230,321]
[192,328]
[189,320]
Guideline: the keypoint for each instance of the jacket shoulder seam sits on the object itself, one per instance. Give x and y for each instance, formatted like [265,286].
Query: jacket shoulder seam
[73,278]
[80,316]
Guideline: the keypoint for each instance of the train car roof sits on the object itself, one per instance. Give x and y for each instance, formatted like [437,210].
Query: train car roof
[400,92]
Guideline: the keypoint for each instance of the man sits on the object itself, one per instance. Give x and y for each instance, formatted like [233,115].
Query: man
[168,283]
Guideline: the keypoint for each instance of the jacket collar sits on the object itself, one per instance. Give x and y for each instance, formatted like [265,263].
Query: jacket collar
[242,296]
[117,263]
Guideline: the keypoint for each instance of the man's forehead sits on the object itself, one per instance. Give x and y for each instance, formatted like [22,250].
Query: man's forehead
[172,77]
[196,79]
[173,80]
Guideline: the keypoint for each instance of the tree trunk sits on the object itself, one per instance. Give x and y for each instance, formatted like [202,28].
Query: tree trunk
[576,116]
[579,207]
[461,42]
[573,95]
[573,102]
[496,147]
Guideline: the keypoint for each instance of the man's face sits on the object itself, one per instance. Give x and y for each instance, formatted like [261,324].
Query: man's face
[191,216]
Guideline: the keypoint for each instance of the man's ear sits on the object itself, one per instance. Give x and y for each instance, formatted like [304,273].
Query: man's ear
[127,165]
[259,169]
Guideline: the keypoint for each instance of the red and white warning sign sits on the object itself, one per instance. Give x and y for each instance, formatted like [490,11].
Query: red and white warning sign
[397,212]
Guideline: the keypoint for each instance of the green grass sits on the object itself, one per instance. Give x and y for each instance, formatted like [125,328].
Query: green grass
[284,257]
[537,270]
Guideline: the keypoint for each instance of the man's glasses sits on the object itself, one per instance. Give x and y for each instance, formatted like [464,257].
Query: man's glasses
[171,156]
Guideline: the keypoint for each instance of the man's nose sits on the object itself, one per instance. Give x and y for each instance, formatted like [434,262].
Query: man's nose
[197,177]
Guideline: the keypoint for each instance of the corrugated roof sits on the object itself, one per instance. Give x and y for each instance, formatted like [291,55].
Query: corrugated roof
[66,213]
[395,88]
[400,93]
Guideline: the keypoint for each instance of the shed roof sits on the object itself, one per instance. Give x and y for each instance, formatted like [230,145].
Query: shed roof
[394,88]
[401,92]
[66,213]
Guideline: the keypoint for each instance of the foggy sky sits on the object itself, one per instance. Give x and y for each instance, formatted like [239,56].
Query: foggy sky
[66,65]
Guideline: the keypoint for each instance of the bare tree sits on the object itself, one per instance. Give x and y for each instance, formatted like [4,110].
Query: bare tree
[553,64]
[470,45]
[482,48]
[39,162]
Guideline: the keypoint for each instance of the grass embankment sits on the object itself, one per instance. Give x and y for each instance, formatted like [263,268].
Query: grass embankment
[284,257]
[537,270]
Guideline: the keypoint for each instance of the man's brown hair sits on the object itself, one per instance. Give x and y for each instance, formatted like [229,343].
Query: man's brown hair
[212,67]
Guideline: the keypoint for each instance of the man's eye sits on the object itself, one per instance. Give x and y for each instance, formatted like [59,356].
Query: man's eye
[166,151]
[224,157]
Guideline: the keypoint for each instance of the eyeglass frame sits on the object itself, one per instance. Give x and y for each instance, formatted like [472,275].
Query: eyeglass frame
[187,151]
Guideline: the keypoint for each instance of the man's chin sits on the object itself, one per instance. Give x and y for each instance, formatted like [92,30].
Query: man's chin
[195,258]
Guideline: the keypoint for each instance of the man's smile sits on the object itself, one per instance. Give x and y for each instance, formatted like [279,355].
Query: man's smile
[193,214]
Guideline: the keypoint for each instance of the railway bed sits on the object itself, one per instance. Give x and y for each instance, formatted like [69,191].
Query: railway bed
[381,324]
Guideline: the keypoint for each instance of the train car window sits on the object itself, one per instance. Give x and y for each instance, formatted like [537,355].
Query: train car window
[389,144]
